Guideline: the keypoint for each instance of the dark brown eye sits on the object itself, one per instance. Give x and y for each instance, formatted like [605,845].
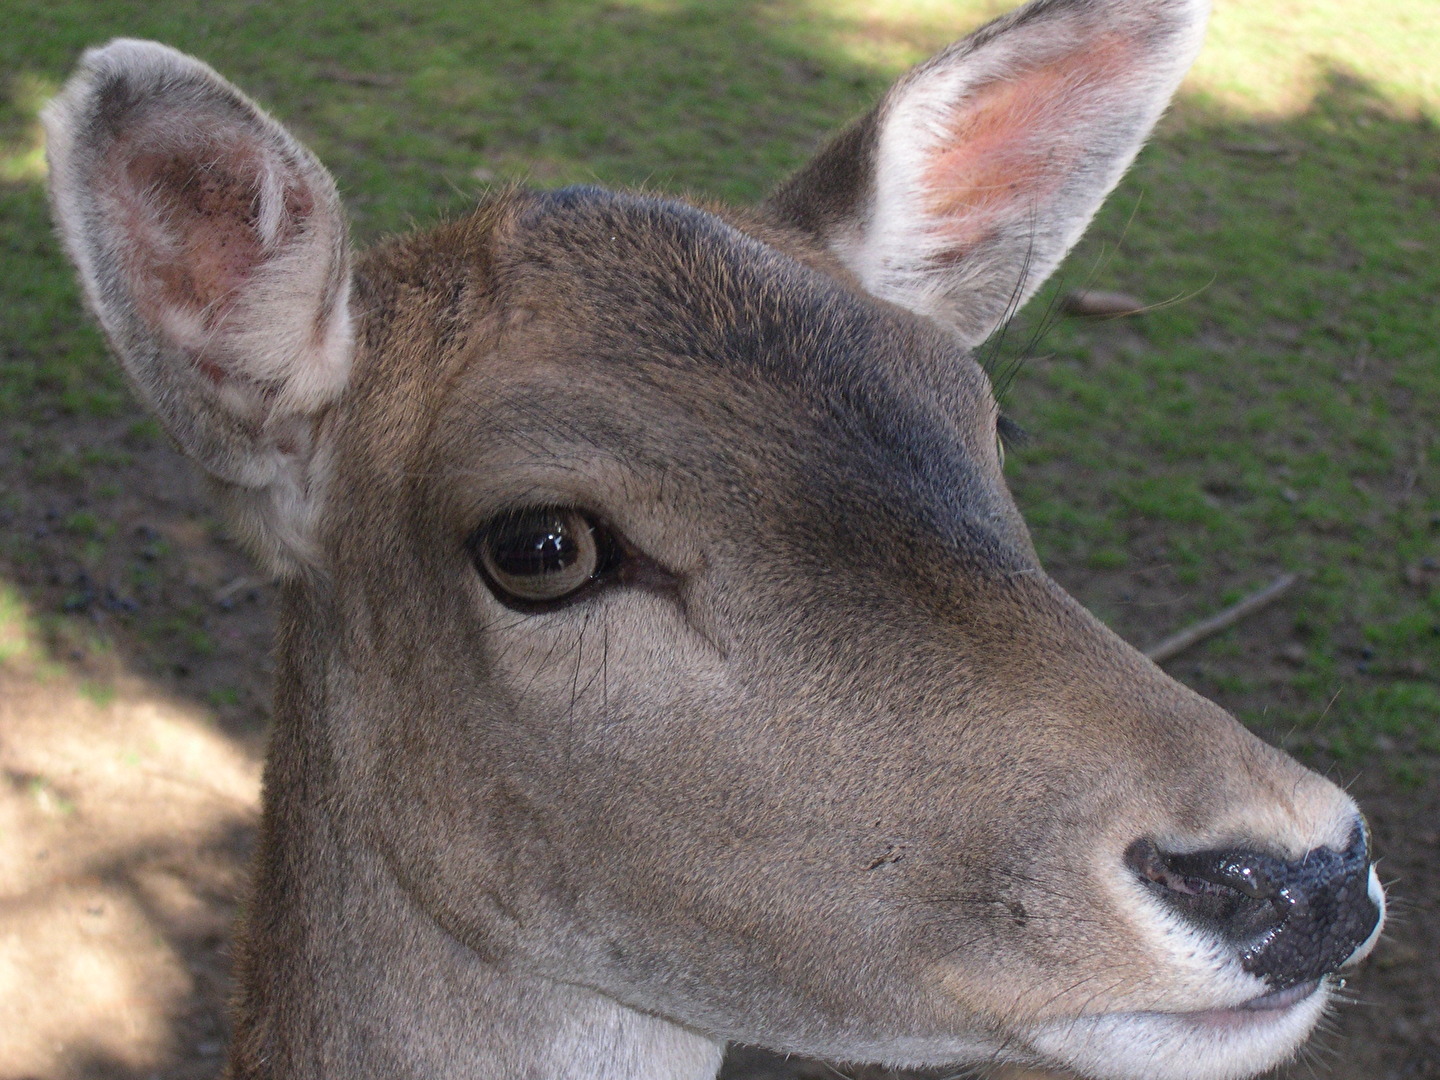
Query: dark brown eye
[542,555]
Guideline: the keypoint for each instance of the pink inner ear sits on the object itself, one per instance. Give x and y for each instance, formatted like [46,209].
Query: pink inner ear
[191,215]
[1015,140]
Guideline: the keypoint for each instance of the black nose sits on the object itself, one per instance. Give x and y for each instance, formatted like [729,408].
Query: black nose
[1291,921]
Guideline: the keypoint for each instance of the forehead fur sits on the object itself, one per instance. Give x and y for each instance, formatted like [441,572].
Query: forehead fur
[724,353]
[664,279]
[655,280]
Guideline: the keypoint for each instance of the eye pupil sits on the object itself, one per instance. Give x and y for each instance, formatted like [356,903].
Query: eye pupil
[527,550]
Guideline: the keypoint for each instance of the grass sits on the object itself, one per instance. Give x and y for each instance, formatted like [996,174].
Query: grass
[48,799]
[17,626]
[1277,410]
[99,693]
[224,696]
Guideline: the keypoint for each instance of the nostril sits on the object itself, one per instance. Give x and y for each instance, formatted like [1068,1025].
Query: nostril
[1232,894]
[1207,871]
[1289,921]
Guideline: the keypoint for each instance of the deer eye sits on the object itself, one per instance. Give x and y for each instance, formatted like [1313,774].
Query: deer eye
[543,555]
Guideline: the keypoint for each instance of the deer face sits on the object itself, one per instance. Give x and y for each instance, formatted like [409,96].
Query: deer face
[817,720]
[681,639]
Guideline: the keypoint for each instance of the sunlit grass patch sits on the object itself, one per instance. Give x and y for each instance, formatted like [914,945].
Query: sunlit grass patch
[1268,59]
[22,142]
[17,626]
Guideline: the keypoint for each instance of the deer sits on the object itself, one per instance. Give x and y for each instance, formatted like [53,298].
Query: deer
[662,660]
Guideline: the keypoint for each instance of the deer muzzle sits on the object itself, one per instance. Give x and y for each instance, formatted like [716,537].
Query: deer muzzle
[1291,922]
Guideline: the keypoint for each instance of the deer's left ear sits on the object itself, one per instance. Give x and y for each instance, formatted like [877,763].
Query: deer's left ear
[961,192]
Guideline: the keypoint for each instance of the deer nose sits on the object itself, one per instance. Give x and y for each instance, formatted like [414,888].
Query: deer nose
[1291,921]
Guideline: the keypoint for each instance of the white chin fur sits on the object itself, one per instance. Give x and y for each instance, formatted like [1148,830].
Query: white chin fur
[1178,1046]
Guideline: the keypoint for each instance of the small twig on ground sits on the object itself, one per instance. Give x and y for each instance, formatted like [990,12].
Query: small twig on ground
[234,588]
[1177,643]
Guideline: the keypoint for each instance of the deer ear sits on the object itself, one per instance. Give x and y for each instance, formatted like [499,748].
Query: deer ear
[961,192]
[212,248]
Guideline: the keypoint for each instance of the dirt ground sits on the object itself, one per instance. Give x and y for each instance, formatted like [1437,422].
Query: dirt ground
[130,746]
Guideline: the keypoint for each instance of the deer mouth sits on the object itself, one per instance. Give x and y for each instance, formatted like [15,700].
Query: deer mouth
[1257,1010]
[1212,1044]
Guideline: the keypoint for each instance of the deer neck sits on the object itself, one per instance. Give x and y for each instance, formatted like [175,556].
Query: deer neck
[341,974]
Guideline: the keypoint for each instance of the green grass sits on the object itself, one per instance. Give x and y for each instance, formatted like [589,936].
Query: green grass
[99,693]
[223,696]
[17,626]
[48,798]
[1278,409]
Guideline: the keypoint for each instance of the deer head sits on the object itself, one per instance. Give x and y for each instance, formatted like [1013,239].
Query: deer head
[662,658]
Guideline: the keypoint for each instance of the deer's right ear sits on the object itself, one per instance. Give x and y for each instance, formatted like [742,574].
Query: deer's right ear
[212,248]
[960,193]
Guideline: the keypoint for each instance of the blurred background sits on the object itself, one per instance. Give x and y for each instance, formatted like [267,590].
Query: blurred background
[1273,408]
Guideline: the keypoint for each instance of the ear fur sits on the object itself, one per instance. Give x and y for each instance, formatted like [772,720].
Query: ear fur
[962,191]
[212,249]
